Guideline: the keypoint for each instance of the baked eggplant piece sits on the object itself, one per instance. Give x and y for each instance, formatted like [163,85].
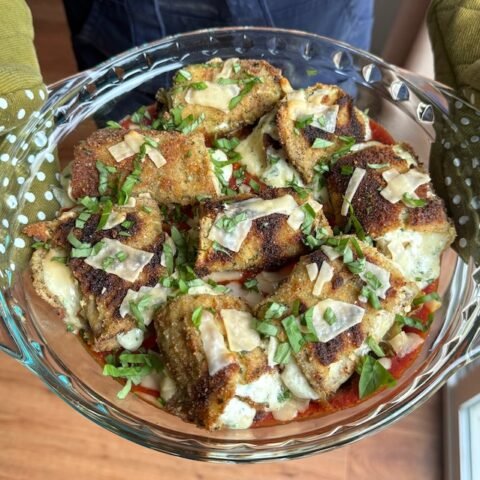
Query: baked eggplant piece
[107,269]
[217,360]
[393,199]
[173,168]
[224,96]
[337,297]
[257,232]
[316,123]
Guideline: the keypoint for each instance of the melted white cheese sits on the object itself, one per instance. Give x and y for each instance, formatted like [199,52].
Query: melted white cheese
[296,382]
[168,387]
[62,285]
[241,334]
[399,184]
[218,356]
[352,187]
[157,296]
[362,146]
[325,275]
[250,296]
[417,254]
[132,143]
[347,315]
[330,252]
[290,409]
[216,95]
[280,173]
[130,269]
[271,349]
[253,208]
[237,415]
[268,281]
[382,275]
[227,68]
[131,340]
[266,389]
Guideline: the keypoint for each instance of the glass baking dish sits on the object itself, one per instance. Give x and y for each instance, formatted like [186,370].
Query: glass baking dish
[407,105]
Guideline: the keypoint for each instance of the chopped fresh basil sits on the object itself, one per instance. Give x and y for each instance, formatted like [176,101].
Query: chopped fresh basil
[372,297]
[321,143]
[197,317]
[302,192]
[372,280]
[199,86]
[227,81]
[140,115]
[301,124]
[60,259]
[219,248]
[132,179]
[308,318]
[38,244]
[255,186]
[413,202]
[275,310]
[357,266]
[103,172]
[425,298]
[183,76]
[296,307]
[309,218]
[266,328]
[316,238]
[251,284]
[137,310]
[329,316]
[346,169]
[373,376]
[414,322]
[282,354]
[348,143]
[106,210]
[113,124]
[190,123]
[228,224]
[82,219]
[375,347]
[293,332]
[247,87]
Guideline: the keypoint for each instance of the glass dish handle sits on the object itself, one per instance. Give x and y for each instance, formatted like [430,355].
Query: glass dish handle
[7,341]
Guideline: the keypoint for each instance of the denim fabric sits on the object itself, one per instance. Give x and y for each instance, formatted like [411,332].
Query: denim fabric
[103,28]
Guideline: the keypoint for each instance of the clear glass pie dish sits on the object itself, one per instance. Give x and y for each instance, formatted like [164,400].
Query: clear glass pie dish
[410,107]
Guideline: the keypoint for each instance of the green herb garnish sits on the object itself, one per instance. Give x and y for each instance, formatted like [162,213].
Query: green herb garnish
[373,376]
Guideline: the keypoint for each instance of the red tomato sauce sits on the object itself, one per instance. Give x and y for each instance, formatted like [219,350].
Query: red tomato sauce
[380,134]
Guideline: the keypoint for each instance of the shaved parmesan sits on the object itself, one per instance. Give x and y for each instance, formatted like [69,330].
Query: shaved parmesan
[131,145]
[218,356]
[205,289]
[216,95]
[297,217]
[121,151]
[366,124]
[253,208]
[271,349]
[157,295]
[385,362]
[347,315]
[352,187]
[399,184]
[382,275]
[131,340]
[227,68]
[114,219]
[330,252]
[312,270]
[324,115]
[405,343]
[362,146]
[129,269]
[225,171]
[325,275]
[237,415]
[296,382]
[168,388]
[242,337]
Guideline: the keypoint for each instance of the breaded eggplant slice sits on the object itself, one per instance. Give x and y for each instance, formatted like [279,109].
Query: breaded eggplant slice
[272,230]
[210,363]
[327,364]
[101,292]
[413,231]
[314,123]
[186,172]
[228,95]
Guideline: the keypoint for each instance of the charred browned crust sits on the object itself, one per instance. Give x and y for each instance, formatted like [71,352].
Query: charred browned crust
[298,144]
[260,100]
[316,359]
[186,175]
[376,214]
[270,243]
[201,398]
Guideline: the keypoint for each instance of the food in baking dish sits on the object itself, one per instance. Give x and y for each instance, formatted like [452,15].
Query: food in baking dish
[245,253]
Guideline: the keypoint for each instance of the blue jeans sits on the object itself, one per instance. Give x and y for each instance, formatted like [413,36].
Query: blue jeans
[103,28]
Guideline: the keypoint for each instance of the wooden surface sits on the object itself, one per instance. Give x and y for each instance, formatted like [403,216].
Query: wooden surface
[43,438]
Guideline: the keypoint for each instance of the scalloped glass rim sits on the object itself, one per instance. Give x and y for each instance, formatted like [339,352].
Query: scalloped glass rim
[450,346]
